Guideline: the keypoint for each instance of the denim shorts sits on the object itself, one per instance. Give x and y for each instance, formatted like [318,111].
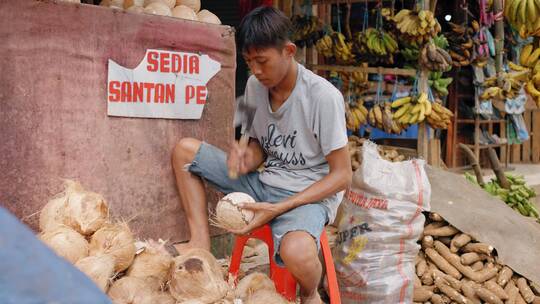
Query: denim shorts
[210,163]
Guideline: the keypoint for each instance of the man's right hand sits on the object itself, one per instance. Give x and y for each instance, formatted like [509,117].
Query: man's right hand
[240,159]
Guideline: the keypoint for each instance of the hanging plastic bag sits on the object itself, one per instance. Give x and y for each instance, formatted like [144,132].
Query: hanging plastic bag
[380,224]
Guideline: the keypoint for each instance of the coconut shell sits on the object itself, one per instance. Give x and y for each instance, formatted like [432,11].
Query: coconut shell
[54,213]
[208,17]
[116,240]
[184,12]
[98,268]
[252,283]
[231,217]
[197,276]
[86,211]
[169,3]
[153,261]
[130,3]
[158,8]
[157,298]
[135,9]
[267,297]
[66,242]
[129,290]
[195,5]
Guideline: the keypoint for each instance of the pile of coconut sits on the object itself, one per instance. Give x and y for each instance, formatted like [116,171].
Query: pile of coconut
[184,9]
[76,225]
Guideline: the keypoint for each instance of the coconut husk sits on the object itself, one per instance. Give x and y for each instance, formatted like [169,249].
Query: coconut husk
[195,5]
[86,211]
[196,275]
[98,268]
[54,213]
[253,283]
[116,240]
[229,215]
[154,261]
[265,296]
[158,8]
[208,17]
[66,242]
[130,290]
[184,12]
[156,298]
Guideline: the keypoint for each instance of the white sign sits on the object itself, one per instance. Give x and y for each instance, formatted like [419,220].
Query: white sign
[164,85]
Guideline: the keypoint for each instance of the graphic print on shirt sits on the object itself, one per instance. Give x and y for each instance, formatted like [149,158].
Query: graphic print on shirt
[281,148]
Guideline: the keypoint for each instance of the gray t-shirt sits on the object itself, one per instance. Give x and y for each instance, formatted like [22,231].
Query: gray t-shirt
[298,136]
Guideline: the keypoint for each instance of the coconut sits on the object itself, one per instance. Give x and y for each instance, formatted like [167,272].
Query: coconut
[158,8]
[98,268]
[251,283]
[266,296]
[86,211]
[157,298]
[130,290]
[54,213]
[195,5]
[130,3]
[135,9]
[208,17]
[66,242]
[153,261]
[229,215]
[184,12]
[169,3]
[116,240]
[197,276]
[72,1]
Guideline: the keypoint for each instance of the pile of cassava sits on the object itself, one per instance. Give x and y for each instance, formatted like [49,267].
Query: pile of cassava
[77,226]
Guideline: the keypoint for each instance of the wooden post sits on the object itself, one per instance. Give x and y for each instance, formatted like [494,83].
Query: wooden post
[422,145]
[499,36]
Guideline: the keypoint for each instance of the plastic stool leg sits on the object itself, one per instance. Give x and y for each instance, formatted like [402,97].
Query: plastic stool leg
[236,257]
[333,288]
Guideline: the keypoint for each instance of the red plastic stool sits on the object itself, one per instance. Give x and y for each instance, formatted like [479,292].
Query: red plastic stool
[283,279]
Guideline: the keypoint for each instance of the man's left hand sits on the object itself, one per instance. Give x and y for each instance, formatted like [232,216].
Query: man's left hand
[264,213]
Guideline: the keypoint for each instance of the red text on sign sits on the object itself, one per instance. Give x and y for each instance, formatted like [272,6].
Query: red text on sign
[196,93]
[141,92]
[172,63]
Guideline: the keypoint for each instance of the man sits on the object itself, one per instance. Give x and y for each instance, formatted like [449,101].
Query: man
[298,132]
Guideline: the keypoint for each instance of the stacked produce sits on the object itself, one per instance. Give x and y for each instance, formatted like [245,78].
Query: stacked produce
[440,117]
[434,58]
[380,116]
[461,43]
[335,45]
[76,225]
[518,197]
[412,109]
[411,50]
[417,26]
[356,115]
[524,16]
[453,268]
[306,30]
[378,43]
[439,83]
[355,152]
[184,9]
[512,83]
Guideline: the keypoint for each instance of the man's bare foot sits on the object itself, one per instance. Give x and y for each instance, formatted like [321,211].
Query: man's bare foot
[315,298]
[183,247]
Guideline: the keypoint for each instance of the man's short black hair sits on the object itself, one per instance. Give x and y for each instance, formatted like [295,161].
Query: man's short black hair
[264,27]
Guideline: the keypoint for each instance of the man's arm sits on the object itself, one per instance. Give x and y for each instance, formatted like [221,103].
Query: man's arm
[338,179]
[246,159]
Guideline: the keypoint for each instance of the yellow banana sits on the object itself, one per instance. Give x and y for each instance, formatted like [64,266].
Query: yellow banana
[378,114]
[516,67]
[417,108]
[532,89]
[533,58]
[401,111]
[428,108]
[525,53]
[401,101]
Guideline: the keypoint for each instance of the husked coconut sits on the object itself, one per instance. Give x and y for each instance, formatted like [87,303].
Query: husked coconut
[153,261]
[184,12]
[98,268]
[66,242]
[196,275]
[158,8]
[195,5]
[169,3]
[53,214]
[266,296]
[130,3]
[135,9]
[116,240]
[72,1]
[251,283]
[130,290]
[208,17]
[86,211]
[229,215]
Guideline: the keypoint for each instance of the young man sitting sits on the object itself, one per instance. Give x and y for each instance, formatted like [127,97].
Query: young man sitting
[298,132]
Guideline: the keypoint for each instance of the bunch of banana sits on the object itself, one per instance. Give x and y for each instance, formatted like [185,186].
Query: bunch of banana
[439,83]
[411,51]
[375,45]
[417,26]
[512,82]
[325,46]
[461,43]
[529,55]
[434,58]
[533,85]
[440,117]
[381,117]
[524,16]
[305,30]
[518,197]
[412,109]
[342,49]
[356,115]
